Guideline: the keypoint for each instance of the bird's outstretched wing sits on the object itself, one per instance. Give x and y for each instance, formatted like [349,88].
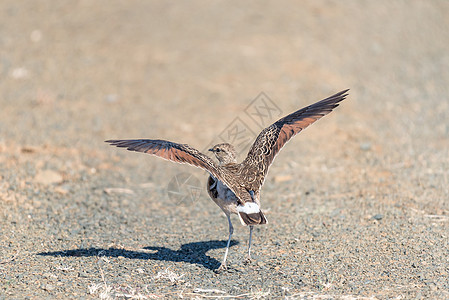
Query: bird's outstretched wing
[271,140]
[184,154]
[180,153]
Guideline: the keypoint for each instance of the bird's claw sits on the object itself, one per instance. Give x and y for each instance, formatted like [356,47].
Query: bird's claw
[222,267]
[247,261]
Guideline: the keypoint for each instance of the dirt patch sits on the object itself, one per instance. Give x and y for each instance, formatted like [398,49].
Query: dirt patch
[357,204]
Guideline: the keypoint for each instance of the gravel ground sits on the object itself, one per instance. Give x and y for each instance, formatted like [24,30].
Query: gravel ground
[357,204]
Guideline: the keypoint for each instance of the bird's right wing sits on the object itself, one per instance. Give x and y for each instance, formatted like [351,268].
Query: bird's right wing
[180,153]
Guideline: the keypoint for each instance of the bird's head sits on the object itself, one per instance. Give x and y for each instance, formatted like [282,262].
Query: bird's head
[225,153]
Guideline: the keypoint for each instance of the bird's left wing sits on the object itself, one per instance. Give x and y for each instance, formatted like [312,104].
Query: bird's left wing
[271,140]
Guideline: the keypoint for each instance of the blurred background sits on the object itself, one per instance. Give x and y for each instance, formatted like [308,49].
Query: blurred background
[75,73]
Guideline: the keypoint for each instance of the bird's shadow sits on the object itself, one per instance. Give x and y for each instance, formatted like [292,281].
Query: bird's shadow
[193,253]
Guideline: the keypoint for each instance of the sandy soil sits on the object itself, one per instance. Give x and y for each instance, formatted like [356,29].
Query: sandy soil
[357,204]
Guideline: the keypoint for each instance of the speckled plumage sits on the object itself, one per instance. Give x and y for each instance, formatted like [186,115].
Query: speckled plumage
[231,185]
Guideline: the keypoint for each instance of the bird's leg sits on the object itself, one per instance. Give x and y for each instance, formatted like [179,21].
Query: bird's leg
[248,259]
[231,231]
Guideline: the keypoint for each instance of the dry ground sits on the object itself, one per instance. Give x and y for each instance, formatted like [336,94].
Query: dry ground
[357,204]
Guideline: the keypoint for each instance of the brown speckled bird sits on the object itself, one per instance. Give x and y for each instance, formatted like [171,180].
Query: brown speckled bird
[235,187]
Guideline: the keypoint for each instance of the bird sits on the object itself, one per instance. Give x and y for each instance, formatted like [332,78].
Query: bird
[235,187]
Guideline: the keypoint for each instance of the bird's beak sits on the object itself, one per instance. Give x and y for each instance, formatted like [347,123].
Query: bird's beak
[212,150]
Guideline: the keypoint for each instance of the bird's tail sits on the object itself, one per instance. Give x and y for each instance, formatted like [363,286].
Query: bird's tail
[257,218]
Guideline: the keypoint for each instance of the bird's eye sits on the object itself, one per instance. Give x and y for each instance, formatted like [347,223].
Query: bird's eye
[218,150]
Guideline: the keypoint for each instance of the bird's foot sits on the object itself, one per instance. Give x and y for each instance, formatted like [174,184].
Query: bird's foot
[222,268]
[247,261]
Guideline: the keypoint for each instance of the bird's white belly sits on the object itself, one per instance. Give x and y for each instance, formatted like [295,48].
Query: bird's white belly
[225,198]
[225,193]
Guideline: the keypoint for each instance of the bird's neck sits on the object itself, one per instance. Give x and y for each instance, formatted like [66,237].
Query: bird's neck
[231,161]
[228,164]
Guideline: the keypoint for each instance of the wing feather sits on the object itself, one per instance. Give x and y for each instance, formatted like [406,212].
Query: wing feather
[180,153]
[271,140]
[184,154]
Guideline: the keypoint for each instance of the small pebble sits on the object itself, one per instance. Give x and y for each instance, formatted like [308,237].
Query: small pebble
[48,287]
[366,146]
[378,217]
[48,177]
